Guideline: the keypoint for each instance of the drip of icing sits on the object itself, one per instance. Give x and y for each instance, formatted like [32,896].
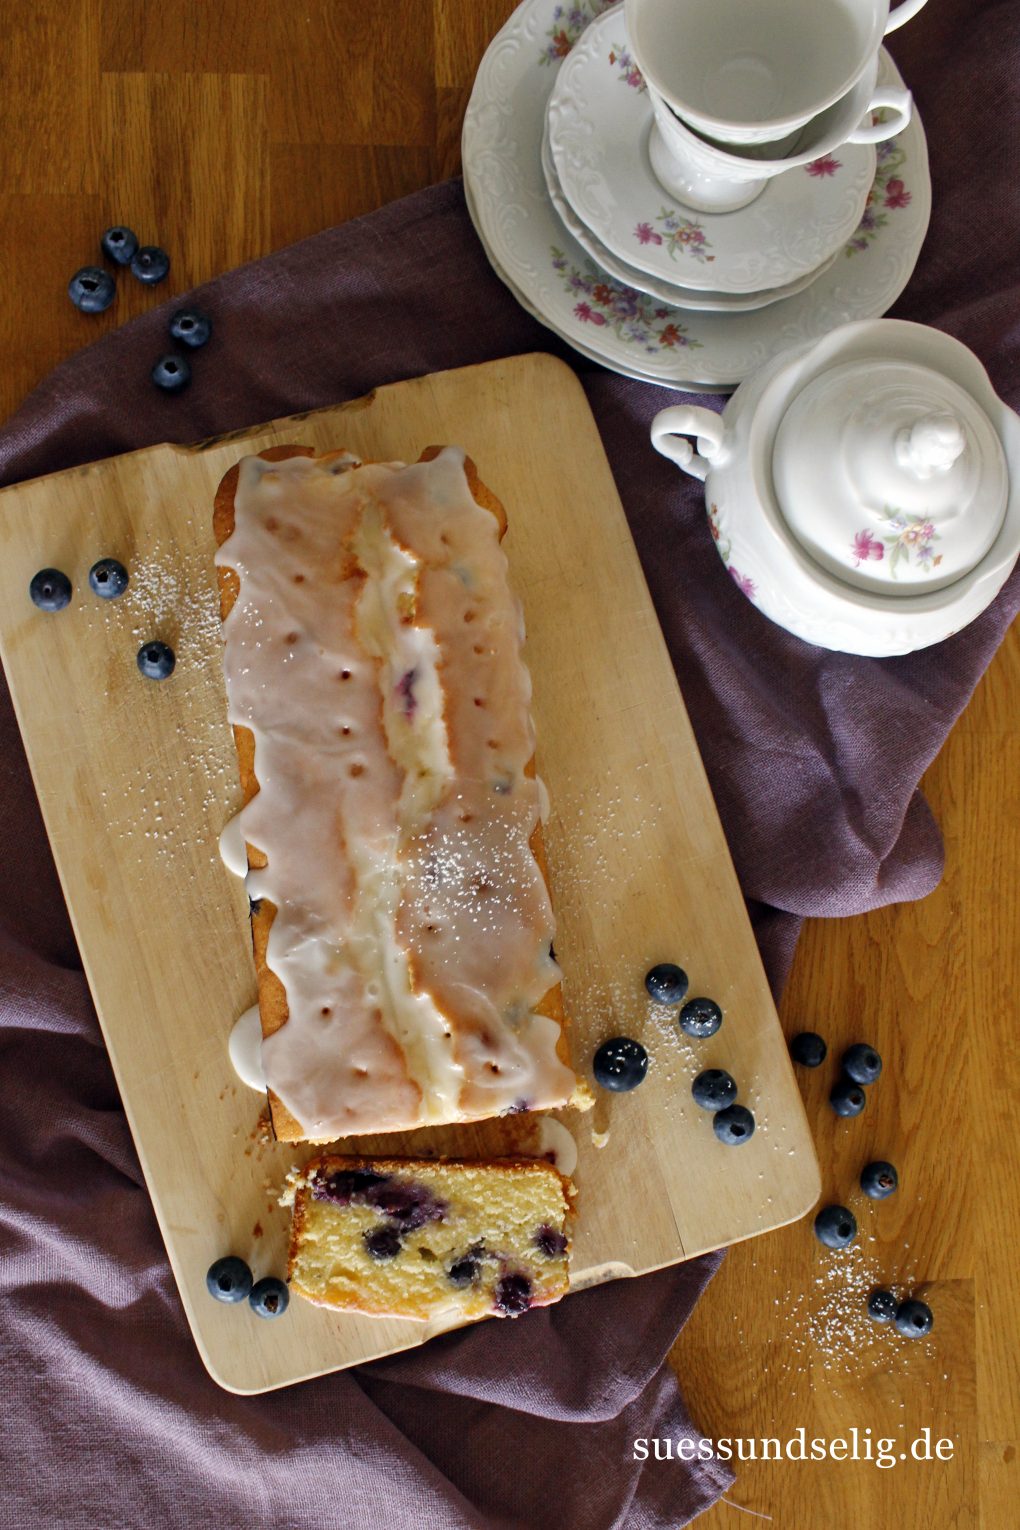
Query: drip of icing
[233,852]
[373,653]
[245,1049]
[556,1144]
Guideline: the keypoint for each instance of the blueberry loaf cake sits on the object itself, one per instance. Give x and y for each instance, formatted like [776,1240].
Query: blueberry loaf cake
[401,918]
[402,1238]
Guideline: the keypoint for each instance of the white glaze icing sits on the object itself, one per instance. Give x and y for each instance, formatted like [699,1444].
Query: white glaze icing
[374,653]
[557,1144]
[233,851]
[245,1049]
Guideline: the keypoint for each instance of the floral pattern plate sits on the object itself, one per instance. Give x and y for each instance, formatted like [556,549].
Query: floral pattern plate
[599,123]
[614,323]
[668,292]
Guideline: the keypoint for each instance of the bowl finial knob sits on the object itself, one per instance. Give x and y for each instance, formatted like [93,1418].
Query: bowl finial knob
[931,445]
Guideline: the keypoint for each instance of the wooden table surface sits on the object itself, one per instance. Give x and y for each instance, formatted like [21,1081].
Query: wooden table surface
[223,130]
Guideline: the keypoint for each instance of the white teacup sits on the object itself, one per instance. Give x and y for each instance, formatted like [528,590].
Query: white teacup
[720,178]
[754,71]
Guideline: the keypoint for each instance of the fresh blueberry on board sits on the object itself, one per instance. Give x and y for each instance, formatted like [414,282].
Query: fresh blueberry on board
[513,1295]
[268,1297]
[862,1063]
[914,1319]
[714,1089]
[171,373]
[91,289]
[847,1098]
[882,1306]
[119,244]
[156,660]
[620,1064]
[835,1226]
[50,590]
[191,327]
[700,1018]
[879,1179]
[229,1279]
[667,983]
[150,264]
[808,1049]
[108,578]
[733,1126]
[383,1242]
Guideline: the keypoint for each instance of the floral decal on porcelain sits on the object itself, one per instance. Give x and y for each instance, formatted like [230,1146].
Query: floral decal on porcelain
[888,192]
[743,582]
[627,72]
[824,166]
[908,536]
[633,317]
[680,236]
[569,21]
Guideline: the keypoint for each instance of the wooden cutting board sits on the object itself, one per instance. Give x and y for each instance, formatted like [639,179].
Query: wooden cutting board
[137,779]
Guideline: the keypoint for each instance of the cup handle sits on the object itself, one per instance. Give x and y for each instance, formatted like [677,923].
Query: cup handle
[903,13]
[671,426]
[899,101]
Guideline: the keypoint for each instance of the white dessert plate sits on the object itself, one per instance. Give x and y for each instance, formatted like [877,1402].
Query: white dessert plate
[574,343]
[673,292]
[599,118]
[612,322]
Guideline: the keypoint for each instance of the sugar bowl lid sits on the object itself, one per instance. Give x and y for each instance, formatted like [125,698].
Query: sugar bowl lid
[890,475]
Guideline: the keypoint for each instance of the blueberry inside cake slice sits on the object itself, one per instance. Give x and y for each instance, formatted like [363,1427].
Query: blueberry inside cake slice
[406,1238]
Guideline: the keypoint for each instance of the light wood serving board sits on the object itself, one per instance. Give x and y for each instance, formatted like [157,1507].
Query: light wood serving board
[136,780]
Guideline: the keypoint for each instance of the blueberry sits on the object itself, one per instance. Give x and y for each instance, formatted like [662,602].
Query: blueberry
[550,1241]
[464,1273]
[879,1179]
[229,1279]
[408,1204]
[734,1125]
[150,264]
[156,660]
[50,590]
[346,1185]
[620,1064]
[862,1063]
[914,1319]
[700,1018]
[191,327]
[171,373]
[667,983]
[513,1295]
[108,578]
[882,1306]
[268,1297]
[91,289]
[835,1226]
[714,1089]
[808,1049]
[847,1098]
[383,1242]
[119,245]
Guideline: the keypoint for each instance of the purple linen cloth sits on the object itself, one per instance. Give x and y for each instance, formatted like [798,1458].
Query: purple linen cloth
[814,759]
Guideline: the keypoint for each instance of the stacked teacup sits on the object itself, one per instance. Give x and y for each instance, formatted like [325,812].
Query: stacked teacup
[718,155]
[744,90]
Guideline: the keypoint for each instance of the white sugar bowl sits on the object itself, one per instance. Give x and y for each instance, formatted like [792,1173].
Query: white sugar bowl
[863,490]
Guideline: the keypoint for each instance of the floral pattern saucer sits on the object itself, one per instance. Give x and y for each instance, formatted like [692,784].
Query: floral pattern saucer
[668,292]
[599,124]
[610,321]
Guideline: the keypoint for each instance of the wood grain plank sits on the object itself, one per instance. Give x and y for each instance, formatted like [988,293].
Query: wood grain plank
[341,181]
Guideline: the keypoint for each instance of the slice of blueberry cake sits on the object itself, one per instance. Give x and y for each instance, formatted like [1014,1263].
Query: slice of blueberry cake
[415,1238]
